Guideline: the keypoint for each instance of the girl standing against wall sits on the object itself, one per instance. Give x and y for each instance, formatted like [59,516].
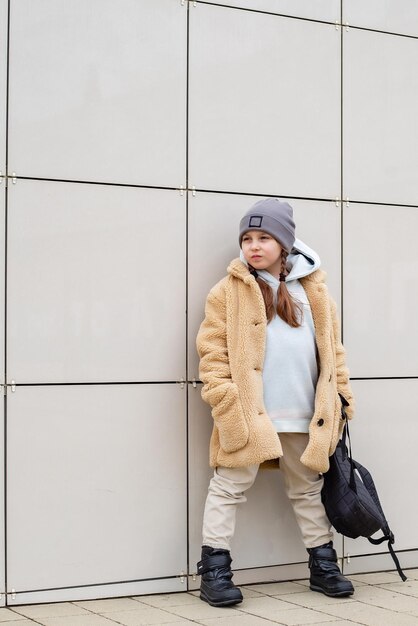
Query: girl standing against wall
[272,366]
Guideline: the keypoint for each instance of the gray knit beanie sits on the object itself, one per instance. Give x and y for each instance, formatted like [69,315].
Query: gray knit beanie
[273,217]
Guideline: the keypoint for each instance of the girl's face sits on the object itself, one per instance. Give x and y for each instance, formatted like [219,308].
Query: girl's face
[262,251]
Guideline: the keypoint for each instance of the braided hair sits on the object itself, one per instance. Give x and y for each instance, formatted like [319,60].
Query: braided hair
[288,308]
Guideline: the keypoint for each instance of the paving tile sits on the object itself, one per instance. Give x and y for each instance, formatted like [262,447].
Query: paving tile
[6,615]
[251,593]
[169,599]
[145,617]
[361,613]
[237,620]
[183,622]
[386,599]
[342,622]
[74,620]
[16,621]
[276,610]
[59,609]
[264,606]
[276,589]
[110,604]
[408,588]
[311,599]
[203,610]
[300,616]
[411,573]
[376,578]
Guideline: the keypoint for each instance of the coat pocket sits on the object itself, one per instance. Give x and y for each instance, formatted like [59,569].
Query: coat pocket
[229,419]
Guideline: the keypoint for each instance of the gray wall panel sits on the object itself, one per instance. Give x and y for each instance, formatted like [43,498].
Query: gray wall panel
[328,10]
[380,104]
[98,90]
[391,15]
[89,298]
[264,112]
[92,468]
[380,298]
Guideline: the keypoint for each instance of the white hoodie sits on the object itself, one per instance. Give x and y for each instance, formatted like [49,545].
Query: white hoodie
[290,371]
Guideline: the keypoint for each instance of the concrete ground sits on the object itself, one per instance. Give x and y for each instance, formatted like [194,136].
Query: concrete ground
[380,599]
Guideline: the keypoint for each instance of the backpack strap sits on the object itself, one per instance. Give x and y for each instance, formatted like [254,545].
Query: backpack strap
[346,450]
[387,533]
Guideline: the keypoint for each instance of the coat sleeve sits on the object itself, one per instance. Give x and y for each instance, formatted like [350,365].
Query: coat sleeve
[343,375]
[219,391]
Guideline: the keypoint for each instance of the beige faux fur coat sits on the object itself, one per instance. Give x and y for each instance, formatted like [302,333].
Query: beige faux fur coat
[231,345]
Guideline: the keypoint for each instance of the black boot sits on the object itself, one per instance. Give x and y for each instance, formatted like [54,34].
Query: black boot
[216,586]
[325,573]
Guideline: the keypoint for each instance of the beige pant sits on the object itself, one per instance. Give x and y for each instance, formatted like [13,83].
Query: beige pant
[303,488]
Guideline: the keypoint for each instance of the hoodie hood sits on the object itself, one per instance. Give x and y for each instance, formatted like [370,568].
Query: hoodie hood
[301,262]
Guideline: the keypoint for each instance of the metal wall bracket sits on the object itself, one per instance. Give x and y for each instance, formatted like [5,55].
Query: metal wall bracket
[337,201]
[347,201]
[194,383]
[12,594]
[6,177]
[12,386]
[182,189]
[182,577]
[181,382]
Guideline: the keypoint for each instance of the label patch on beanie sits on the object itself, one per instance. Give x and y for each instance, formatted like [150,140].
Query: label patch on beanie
[256,221]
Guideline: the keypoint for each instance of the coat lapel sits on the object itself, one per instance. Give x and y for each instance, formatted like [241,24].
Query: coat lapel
[317,294]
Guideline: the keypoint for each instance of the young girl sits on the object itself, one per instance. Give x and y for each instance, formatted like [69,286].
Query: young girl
[272,366]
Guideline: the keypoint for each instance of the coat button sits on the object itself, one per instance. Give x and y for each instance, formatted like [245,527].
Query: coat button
[320,422]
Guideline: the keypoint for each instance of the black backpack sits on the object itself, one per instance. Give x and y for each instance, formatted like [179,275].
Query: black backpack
[350,497]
